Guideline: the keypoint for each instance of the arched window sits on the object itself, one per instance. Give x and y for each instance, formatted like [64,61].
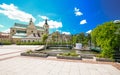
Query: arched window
[34,35]
[38,35]
[28,40]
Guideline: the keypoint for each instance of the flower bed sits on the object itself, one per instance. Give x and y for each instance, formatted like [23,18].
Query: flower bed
[69,56]
[88,56]
[30,53]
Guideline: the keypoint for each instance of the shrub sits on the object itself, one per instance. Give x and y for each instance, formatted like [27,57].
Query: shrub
[29,43]
[6,42]
[69,54]
[29,51]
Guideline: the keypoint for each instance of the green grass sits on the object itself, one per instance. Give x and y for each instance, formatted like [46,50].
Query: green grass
[71,53]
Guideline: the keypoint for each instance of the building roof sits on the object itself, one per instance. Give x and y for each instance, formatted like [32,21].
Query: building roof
[4,34]
[18,25]
[24,35]
[19,35]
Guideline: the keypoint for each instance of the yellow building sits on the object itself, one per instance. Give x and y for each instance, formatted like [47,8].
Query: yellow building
[28,33]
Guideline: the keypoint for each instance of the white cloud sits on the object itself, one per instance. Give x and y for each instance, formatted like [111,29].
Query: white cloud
[116,21]
[83,22]
[59,30]
[6,31]
[12,12]
[89,31]
[51,23]
[1,26]
[67,33]
[77,12]
[43,17]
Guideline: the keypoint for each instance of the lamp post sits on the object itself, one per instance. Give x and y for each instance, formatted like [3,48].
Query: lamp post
[89,37]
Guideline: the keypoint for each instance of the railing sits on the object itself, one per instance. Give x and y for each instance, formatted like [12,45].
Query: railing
[58,46]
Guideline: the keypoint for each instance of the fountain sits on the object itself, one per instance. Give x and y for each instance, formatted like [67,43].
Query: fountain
[78,46]
[61,50]
[54,49]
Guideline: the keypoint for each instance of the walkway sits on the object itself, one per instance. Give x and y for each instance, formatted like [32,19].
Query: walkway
[21,65]
[33,66]
[10,51]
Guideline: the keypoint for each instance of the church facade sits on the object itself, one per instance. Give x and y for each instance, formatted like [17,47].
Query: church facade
[28,33]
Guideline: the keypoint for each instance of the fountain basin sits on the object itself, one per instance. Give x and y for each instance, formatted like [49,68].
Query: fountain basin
[54,52]
[34,54]
[69,57]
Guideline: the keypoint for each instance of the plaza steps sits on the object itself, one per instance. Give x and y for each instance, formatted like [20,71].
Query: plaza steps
[40,48]
[9,55]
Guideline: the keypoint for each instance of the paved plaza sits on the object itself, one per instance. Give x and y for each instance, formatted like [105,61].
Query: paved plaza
[9,51]
[21,65]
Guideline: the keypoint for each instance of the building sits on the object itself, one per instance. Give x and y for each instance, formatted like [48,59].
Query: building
[4,37]
[28,33]
[58,37]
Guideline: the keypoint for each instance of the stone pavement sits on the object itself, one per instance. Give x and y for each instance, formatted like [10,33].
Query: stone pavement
[9,51]
[21,65]
[36,66]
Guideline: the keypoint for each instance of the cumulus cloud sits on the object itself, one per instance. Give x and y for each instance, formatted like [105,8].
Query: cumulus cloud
[43,17]
[77,12]
[12,12]
[1,26]
[67,33]
[52,24]
[6,31]
[116,21]
[59,30]
[89,31]
[83,22]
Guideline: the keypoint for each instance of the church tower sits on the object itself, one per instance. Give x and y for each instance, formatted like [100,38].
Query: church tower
[46,27]
[31,28]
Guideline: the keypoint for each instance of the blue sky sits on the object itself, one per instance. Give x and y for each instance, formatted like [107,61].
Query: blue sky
[66,16]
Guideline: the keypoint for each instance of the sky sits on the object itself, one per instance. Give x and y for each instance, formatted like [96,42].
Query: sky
[65,16]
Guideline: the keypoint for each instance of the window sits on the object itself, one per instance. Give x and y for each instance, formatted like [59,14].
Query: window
[38,35]
[34,35]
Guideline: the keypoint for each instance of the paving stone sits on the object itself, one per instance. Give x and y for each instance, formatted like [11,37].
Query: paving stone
[35,66]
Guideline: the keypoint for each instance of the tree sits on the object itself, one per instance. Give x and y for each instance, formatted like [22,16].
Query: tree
[80,38]
[44,38]
[74,39]
[105,37]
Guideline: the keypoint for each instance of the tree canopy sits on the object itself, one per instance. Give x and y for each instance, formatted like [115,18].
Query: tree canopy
[80,38]
[105,36]
[44,38]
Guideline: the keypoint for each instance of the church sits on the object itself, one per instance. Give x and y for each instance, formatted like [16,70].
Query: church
[28,33]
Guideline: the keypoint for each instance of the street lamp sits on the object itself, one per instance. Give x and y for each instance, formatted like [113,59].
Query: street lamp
[89,37]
